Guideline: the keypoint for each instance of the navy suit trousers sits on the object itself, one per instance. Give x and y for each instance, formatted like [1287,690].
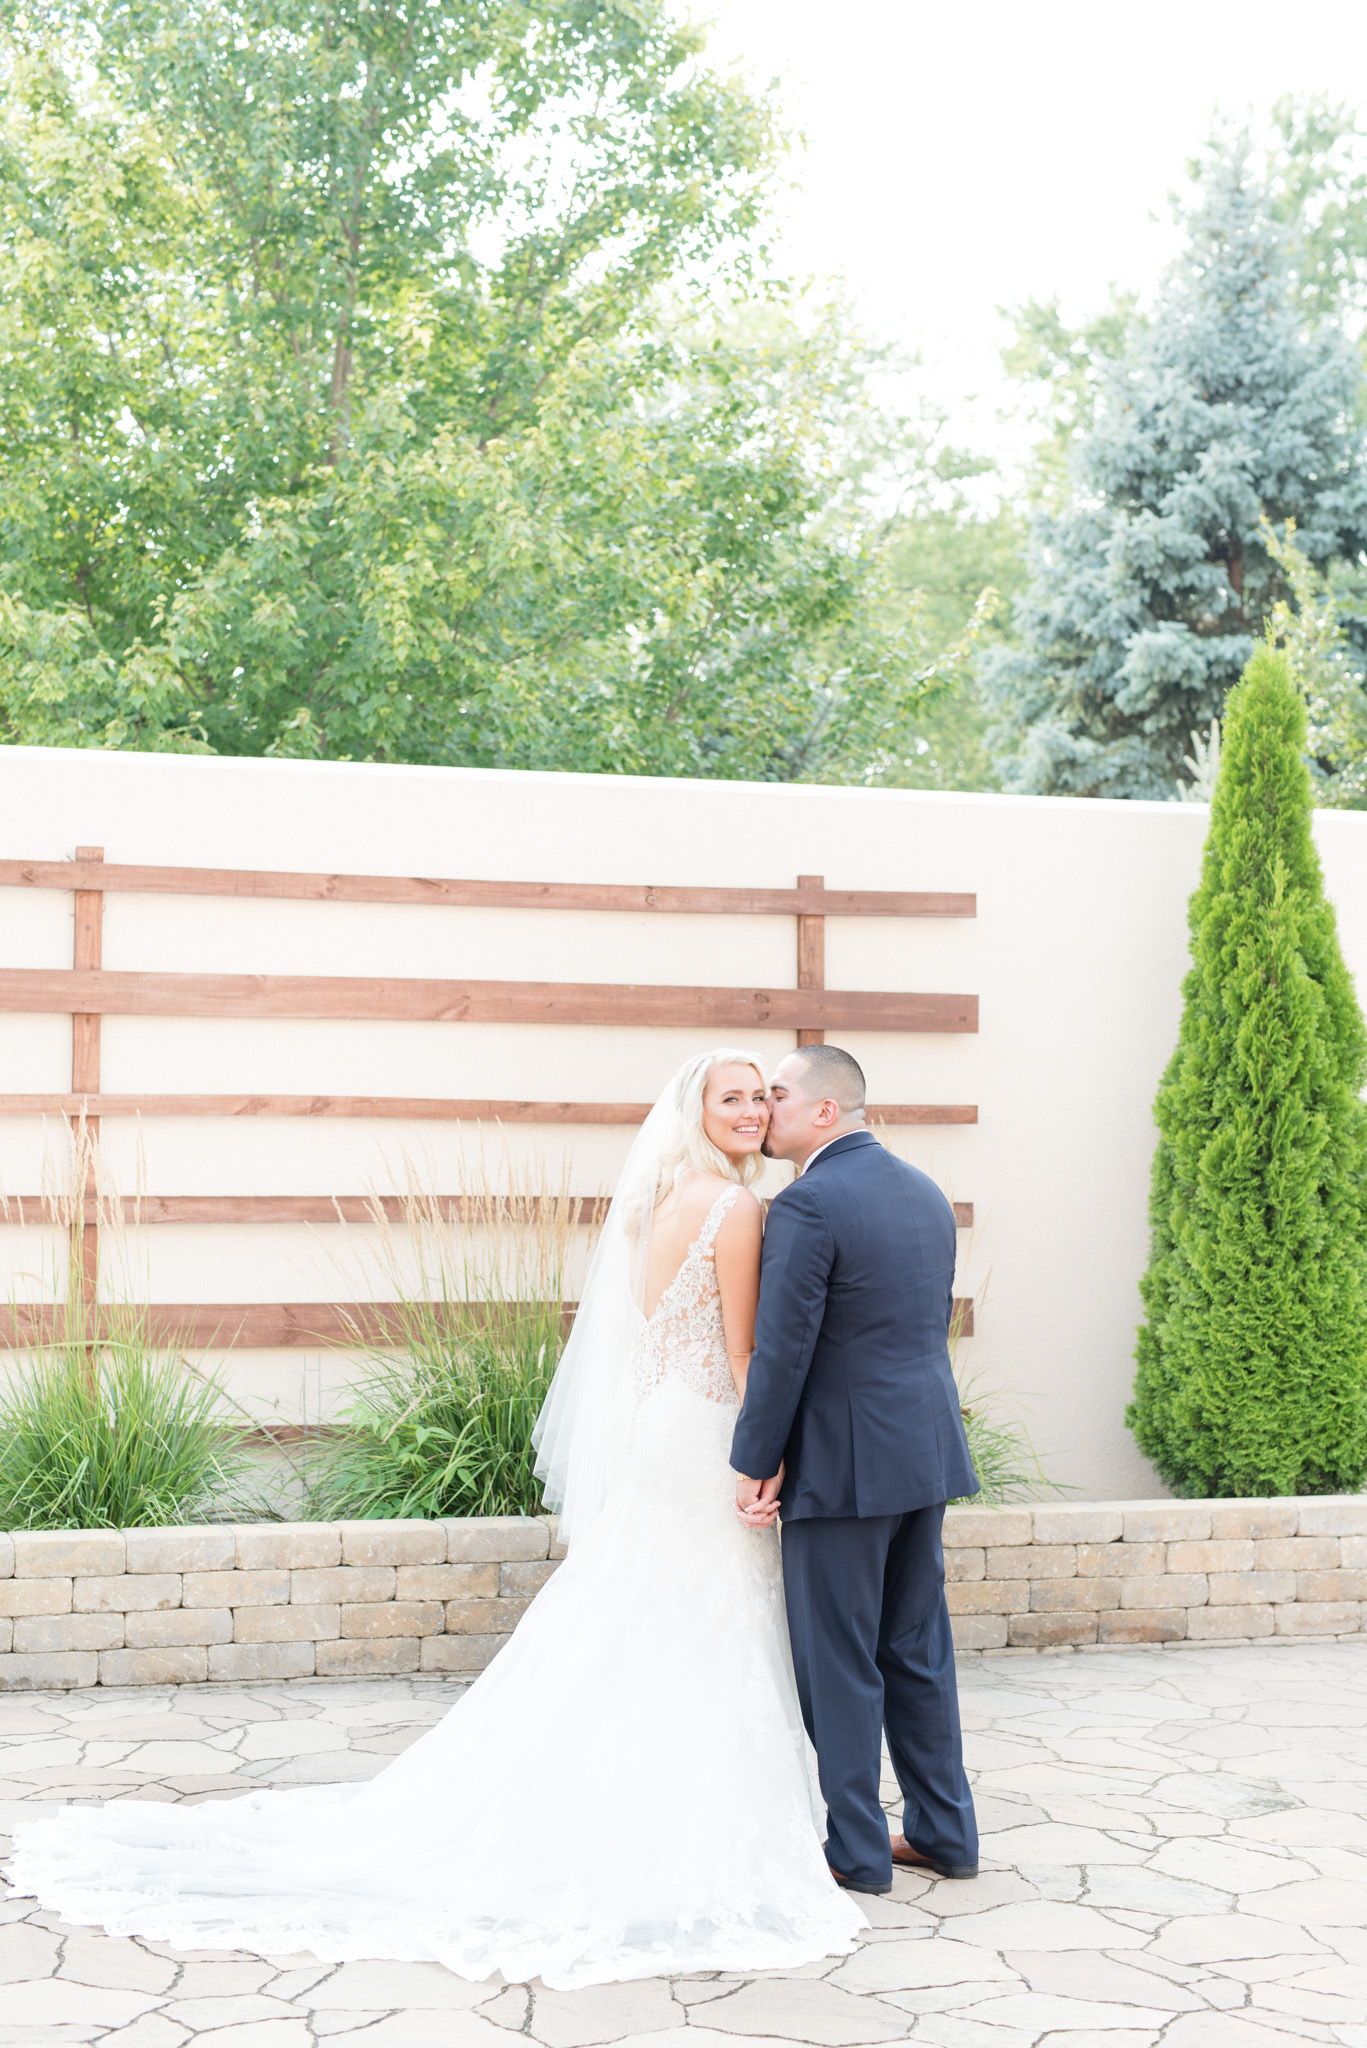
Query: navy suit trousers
[872,1650]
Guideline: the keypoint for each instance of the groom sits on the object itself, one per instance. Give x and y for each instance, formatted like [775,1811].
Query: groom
[850,1389]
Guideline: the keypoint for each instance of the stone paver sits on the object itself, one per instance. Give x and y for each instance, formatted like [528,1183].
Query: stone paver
[1174,1851]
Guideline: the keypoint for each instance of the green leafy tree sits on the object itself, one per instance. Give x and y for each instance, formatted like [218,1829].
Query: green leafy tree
[1317,179]
[956,569]
[1326,667]
[1148,589]
[953,563]
[1065,374]
[1252,1361]
[344,413]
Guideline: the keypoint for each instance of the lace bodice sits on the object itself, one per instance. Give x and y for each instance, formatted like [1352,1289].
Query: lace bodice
[684,1339]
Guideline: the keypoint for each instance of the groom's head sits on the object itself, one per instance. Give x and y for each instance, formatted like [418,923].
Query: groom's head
[816,1094]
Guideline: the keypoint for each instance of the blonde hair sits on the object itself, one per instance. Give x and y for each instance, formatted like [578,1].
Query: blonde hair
[687,1143]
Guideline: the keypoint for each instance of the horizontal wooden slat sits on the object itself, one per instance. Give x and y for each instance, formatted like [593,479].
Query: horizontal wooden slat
[248,1326]
[290,1436]
[139,1210]
[119,879]
[922,1113]
[268,1325]
[402,1108]
[142,1210]
[122,994]
[414,1108]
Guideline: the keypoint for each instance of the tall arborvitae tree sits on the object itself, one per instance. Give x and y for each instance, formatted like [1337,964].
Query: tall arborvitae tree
[1253,1361]
[1150,585]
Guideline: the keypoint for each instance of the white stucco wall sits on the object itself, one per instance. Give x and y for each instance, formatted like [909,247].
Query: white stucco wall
[1077,954]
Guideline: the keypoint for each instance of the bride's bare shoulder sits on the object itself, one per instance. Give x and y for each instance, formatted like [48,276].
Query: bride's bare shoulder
[711,1185]
[700,1191]
[745,1214]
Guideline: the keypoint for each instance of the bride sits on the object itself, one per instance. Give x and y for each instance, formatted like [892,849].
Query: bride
[626,1791]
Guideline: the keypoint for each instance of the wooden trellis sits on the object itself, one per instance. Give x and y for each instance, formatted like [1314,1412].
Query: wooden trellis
[88,992]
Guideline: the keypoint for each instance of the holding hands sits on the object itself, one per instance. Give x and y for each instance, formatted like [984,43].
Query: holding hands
[757,1501]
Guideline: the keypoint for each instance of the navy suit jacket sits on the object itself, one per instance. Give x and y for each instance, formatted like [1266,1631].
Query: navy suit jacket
[850,1381]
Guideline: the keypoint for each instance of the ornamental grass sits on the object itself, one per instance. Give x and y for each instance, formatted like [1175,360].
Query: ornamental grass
[121,1433]
[442,1416]
[104,1424]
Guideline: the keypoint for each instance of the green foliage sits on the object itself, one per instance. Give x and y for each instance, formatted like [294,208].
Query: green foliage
[1252,1373]
[345,413]
[444,1430]
[1203,765]
[123,1438]
[942,559]
[1148,589]
[1319,191]
[954,562]
[442,1420]
[1003,1456]
[1324,666]
[1066,373]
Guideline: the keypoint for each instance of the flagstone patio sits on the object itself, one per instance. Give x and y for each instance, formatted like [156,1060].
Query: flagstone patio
[1175,1849]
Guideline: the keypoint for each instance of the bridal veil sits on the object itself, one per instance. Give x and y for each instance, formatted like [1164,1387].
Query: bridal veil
[583,1423]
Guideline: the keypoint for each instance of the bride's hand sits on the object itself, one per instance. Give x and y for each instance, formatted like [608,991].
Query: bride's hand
[761,1512]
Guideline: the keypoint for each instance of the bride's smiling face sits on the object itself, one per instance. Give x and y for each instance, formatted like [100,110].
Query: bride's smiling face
[735,1114]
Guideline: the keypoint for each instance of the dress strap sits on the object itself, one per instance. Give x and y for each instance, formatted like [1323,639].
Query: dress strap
[712,1222]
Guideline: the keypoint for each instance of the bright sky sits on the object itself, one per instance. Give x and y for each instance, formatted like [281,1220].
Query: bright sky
[969,154]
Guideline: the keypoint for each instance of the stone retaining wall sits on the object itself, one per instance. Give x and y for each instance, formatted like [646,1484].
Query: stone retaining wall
[265,1600]
[348,1599]
[1150,1571]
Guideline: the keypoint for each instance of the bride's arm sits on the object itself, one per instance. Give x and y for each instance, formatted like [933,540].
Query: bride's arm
[737,1254]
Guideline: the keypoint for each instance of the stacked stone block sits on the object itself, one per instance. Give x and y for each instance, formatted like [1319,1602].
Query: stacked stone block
[356,1599]
[269,1600]
[1217,1571]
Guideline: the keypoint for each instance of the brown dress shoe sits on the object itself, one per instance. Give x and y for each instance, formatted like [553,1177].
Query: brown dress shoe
[854,1884]
[904,1857]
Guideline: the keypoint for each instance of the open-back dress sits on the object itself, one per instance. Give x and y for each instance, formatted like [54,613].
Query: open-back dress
[625,1792]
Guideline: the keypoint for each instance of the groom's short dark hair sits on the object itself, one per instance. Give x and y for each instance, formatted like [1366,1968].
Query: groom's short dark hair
[831,1071]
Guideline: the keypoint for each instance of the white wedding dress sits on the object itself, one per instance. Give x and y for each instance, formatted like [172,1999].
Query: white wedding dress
[625,1792]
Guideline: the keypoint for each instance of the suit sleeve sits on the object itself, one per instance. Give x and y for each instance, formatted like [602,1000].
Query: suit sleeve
[794,1272]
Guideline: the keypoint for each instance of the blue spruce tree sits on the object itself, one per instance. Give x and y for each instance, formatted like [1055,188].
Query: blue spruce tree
[1150,587]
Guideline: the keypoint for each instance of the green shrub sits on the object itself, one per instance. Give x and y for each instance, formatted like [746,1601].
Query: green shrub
[120,1436]
[442,1419]
[446,1429]
[1252,1361]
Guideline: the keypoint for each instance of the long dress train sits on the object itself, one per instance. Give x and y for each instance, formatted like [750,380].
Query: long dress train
[625,1792]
